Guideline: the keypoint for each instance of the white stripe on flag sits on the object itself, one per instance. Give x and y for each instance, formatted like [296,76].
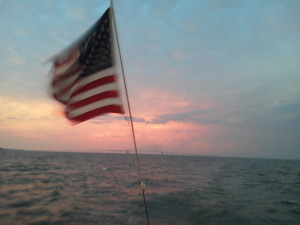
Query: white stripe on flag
[94,91]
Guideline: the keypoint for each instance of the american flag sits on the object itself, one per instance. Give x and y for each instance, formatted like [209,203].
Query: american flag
[84,76]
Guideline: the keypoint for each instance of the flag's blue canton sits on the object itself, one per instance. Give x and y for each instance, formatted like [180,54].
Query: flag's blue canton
[95,49]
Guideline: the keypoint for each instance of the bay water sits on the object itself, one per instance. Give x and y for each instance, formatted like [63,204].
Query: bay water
[56,188]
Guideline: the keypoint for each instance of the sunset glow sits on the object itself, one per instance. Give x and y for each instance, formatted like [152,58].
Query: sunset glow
[204,77]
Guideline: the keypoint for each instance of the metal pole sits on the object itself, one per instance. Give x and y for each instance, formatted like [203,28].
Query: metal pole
[143,186]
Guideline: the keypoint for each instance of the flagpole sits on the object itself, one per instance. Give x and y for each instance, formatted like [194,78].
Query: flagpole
[143,185]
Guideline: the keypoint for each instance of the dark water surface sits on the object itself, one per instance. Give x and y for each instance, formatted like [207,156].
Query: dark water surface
[40,188]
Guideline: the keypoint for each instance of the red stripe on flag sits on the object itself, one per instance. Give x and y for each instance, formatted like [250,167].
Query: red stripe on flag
[95,98]
[96,112]
[95,83]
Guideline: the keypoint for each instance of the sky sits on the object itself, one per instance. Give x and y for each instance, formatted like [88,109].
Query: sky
[208,77]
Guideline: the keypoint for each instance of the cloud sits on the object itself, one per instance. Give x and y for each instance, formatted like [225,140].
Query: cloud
[24,110]
[108,118]
[255,104]
[225,4]
[76,13]
[201,117]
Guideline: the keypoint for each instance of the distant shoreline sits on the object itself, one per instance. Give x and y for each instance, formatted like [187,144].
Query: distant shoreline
[131,152]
